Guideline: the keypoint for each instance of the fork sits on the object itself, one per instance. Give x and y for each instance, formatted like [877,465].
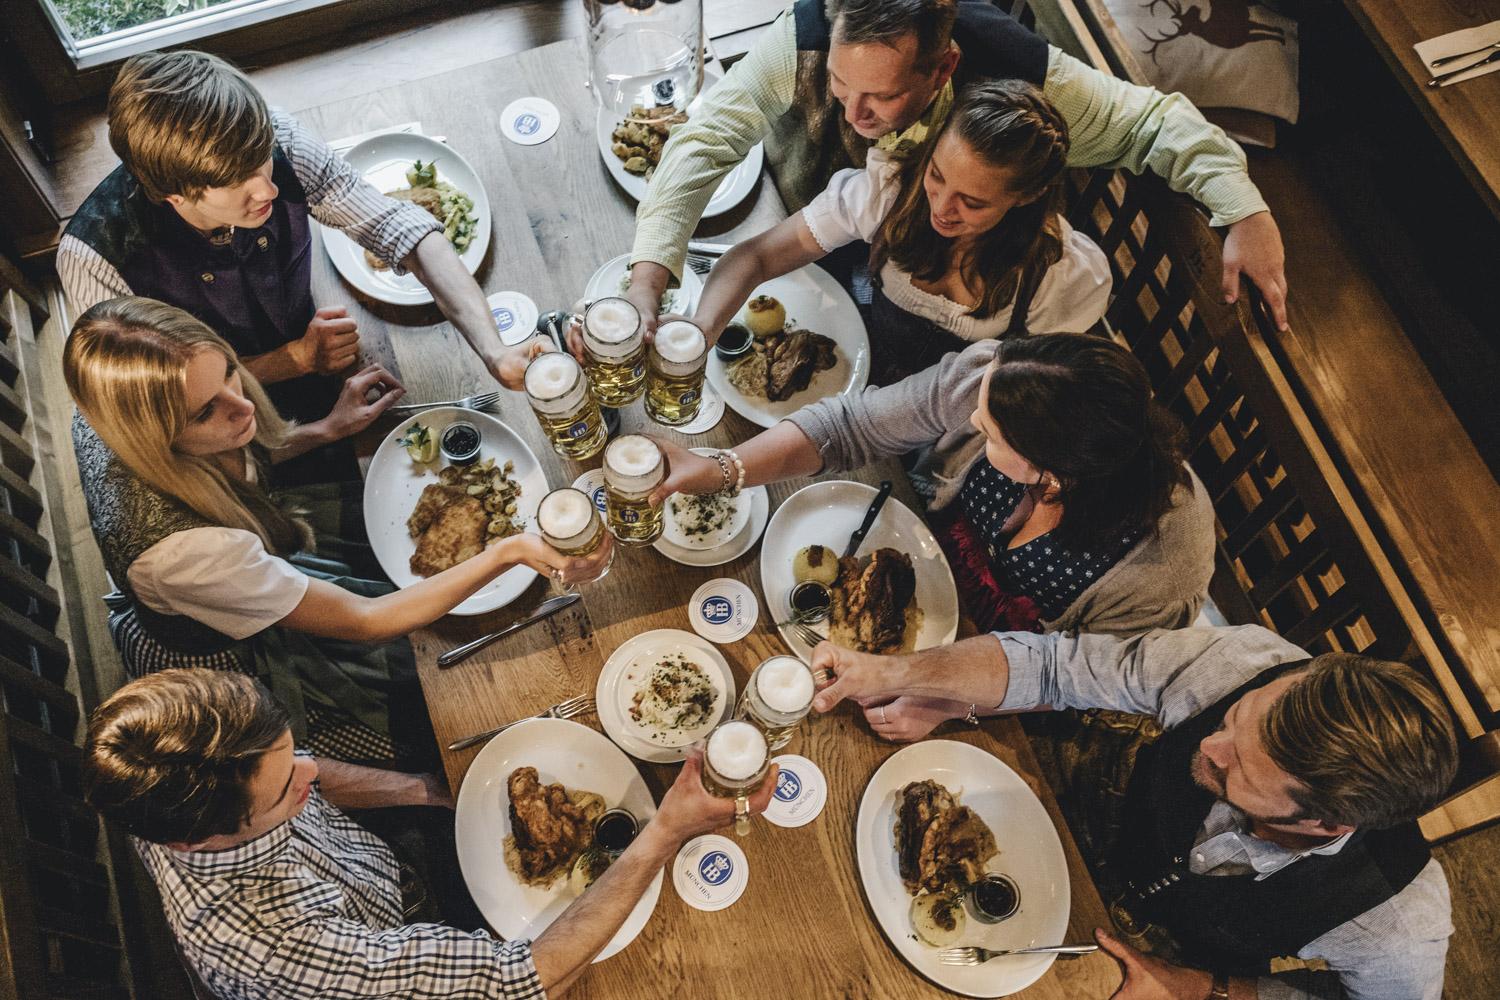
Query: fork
[977,956]
[477,401]
[700,263]
[580,705]
[804,631]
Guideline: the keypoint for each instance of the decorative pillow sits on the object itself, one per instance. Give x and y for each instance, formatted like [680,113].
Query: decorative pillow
[1220,53]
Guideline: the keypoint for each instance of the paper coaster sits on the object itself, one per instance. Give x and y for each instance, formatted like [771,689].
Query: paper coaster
[591,483]
[801,791]
[529,120]
[515,317]
[710,872]
[710,412]
[723,610]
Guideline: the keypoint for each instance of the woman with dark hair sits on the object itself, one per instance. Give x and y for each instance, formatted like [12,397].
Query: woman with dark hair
[1056,483]
[967,241]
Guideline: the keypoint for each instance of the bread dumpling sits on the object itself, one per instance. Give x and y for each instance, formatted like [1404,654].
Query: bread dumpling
[816,562]
[938,918]
[765,316]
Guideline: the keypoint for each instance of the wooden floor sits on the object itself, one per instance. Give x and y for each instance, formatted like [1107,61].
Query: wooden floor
[457,34]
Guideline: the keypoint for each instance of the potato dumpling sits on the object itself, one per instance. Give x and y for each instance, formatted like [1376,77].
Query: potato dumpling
[765,316]
[938,918]
[586,871]
[816,562]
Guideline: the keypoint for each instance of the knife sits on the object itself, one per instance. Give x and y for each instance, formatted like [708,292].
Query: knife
[873,512]
[546,609]
[1441,80]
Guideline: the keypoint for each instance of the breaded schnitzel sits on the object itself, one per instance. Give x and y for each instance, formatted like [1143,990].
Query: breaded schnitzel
[550,827]
[449,526]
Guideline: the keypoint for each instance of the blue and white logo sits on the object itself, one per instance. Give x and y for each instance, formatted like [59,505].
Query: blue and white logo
[578,430]
[630,515]
[717,610]
[527,123]
[716,868]
[788,785]
[504,318]
[600,502]
[687,397]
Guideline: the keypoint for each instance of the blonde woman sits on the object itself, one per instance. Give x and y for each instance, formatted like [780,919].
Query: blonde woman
[176,442]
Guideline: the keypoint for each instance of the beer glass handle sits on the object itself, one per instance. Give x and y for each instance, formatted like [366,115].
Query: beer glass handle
[554,324]
[741,816]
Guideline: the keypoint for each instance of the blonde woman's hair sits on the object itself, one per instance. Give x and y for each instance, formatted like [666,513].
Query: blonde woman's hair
[126,367]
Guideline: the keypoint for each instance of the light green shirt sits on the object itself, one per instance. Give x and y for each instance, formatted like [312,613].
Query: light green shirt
[1111,124]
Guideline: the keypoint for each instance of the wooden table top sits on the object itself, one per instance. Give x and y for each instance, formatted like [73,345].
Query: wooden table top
[557,217]
[1465,116]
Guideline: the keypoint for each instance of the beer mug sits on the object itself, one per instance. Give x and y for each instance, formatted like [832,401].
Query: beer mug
[558,391]
[777,697]
[674,373]
[735,762]
[614,341]
[570,524]
[633,467]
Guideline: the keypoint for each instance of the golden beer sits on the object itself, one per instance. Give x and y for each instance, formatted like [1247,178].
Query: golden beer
[674,373]
[614,341]
[633,468]
[570,524]
[735,762]
[777,698]
[558,392]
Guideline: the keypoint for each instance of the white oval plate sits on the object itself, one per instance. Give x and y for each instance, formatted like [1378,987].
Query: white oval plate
[1030,853]
[827,514]
[613,691]
[561,751]
[394,483]
[383,160]
[760,514]
[733,188]
[607,281]
[813,301]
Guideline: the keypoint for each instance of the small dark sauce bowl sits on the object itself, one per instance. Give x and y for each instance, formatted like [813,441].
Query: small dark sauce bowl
[734,343]
[993,898]
[460,442]
[614,831]
[811,601]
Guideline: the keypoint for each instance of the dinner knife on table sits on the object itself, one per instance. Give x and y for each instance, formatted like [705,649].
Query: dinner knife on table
[871,514]
[546,609]
[1441,80]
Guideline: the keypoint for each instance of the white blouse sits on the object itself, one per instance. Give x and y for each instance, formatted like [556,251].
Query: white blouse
[221,577]
[1071,297]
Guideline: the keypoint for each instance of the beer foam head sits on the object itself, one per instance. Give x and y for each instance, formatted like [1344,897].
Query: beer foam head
[679,342]
[632,456]
[736,750]
[565,513]
[612,320]
[551,374]
[785,684]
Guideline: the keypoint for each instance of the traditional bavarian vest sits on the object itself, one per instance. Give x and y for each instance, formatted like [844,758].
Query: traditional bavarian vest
[1237,923]
[812,141]
[128,517]
[255,291]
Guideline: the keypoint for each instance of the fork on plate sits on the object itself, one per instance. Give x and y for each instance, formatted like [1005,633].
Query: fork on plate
[580,705]
[978,956]
[802,630]
[476,401]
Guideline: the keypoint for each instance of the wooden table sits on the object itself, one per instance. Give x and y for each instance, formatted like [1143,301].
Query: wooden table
[803,928]
[1465,116]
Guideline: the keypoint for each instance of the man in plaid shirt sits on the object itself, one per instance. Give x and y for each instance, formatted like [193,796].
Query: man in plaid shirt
[274,894]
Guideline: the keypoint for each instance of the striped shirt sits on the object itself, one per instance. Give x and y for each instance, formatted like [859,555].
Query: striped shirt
[337,196]
[312,911]
[1111,124]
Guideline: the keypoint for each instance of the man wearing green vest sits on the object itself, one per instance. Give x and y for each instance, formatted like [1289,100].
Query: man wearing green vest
[830,78]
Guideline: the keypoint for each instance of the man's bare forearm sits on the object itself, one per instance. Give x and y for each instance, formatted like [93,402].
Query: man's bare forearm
[971,671]
[457,295]
[280,365]
[353,786]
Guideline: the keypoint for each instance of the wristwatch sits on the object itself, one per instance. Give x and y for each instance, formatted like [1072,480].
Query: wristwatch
[1220,988]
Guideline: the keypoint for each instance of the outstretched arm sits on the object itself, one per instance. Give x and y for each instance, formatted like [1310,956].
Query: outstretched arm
[779,250]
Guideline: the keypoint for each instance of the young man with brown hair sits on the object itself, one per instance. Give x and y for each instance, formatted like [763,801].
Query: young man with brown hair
[275,894]
[209,211]
[830,78]
[1267,831]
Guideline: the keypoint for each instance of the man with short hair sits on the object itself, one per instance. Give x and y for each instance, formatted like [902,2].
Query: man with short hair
[830,78]
[274,894]
[1265,840]
[209,211]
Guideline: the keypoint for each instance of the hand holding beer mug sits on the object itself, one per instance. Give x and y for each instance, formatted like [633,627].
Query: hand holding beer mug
[633,468]
[735,763]
[614,344]
[558,391]
[570,524]
[777,697]
[675,365]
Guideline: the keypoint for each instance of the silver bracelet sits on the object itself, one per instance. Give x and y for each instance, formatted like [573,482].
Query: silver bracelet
[724,470]
[973,717]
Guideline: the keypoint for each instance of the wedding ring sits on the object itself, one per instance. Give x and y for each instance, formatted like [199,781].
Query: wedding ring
[823,676]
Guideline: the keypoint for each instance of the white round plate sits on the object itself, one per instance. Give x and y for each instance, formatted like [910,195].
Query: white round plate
[827,514]
[733,188]
[610,278]
[383,161]
[744,541]
[813,301]
[673,535]
[1030,853]
[613,690]
[560,751]
[394,483]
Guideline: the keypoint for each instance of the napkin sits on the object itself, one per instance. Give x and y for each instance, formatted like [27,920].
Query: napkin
[1460,41]
[347,143]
